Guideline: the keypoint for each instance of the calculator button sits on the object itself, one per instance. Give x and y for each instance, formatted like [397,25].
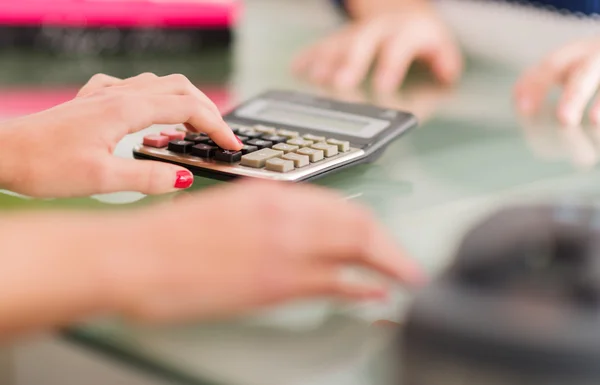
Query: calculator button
[329,150]
[300,142]
[285,147]
[247,149]
[208,141]
[196,138]
[313,155]
[260,143]
[274,138]
[279,165]
[265,129]
[180,146]
[203,150]
[173,134]
[299,160]
[288,134]
[342,145]
[158,141]
[258,158]
[228,156]
[314,138]
[237,127]
[250,133]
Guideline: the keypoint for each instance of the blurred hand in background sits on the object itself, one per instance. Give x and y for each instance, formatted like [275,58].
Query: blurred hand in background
[388,35]
[574,67]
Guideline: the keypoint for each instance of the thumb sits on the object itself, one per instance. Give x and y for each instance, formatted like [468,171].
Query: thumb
[446,62]
[146,176]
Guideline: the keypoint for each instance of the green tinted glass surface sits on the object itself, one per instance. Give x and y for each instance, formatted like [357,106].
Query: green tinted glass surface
[470,155]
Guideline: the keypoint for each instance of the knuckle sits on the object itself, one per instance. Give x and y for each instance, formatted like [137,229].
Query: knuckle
[98,77]
[147,75]
[180,80]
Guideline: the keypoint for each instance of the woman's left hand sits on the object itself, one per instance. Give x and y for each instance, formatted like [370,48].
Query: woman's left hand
[575,67]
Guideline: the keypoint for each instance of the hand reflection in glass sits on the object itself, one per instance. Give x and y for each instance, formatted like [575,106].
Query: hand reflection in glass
[421,99]
[550,141]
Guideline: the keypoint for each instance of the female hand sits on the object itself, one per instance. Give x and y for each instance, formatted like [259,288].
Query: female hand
[395,38]
[575,67]
[67,150]
[224,252]
[250,250]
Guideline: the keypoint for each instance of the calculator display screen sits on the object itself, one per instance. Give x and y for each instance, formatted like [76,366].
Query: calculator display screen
[311,118]
[321,119]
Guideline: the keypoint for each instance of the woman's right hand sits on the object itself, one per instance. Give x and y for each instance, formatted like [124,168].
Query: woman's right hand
[247,245]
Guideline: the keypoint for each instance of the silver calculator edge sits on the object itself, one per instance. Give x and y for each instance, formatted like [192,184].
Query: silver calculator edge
[236,169]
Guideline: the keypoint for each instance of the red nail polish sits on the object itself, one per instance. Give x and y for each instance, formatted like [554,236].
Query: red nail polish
[239,141]
[184,179]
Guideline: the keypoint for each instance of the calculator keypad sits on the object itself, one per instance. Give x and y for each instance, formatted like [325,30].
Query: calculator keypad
[285,147]
[180,146]
[264,148]
[329,150]
[313,154]
[204,150]
[258,158]
[279,165]
[300,142]
[260,143]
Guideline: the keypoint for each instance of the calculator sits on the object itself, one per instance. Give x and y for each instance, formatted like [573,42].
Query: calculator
[287,136]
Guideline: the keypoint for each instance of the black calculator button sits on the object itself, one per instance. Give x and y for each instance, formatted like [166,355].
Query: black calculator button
[208,141]
[275,138]
[180,146]
[247,149]
[196,138]
[260,143]
[203,150]
[228,156]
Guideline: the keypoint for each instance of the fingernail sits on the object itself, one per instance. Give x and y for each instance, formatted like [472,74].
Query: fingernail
[184,179]
[239,140]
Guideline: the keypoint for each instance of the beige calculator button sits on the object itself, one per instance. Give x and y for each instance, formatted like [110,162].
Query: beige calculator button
[314,138]
[257,159]
[314,155]
[299,160]
[328,149]
[280,165]
[342,145]
[265,129]
[287,134]
[300,142]
[284,147]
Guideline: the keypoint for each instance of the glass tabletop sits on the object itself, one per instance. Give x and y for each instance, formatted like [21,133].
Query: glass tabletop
[470,155]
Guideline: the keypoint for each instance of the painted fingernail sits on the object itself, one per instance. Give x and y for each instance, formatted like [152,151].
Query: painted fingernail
[239,140]
[184,179]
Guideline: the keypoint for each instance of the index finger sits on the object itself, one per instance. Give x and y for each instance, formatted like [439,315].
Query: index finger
[338,230]
[144,110]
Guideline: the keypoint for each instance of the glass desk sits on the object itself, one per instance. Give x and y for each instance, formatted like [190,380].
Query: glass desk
[470,155]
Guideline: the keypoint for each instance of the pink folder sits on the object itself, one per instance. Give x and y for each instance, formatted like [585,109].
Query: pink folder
[212,14]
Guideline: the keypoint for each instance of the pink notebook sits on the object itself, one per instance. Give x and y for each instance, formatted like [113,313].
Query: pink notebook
[121,13]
